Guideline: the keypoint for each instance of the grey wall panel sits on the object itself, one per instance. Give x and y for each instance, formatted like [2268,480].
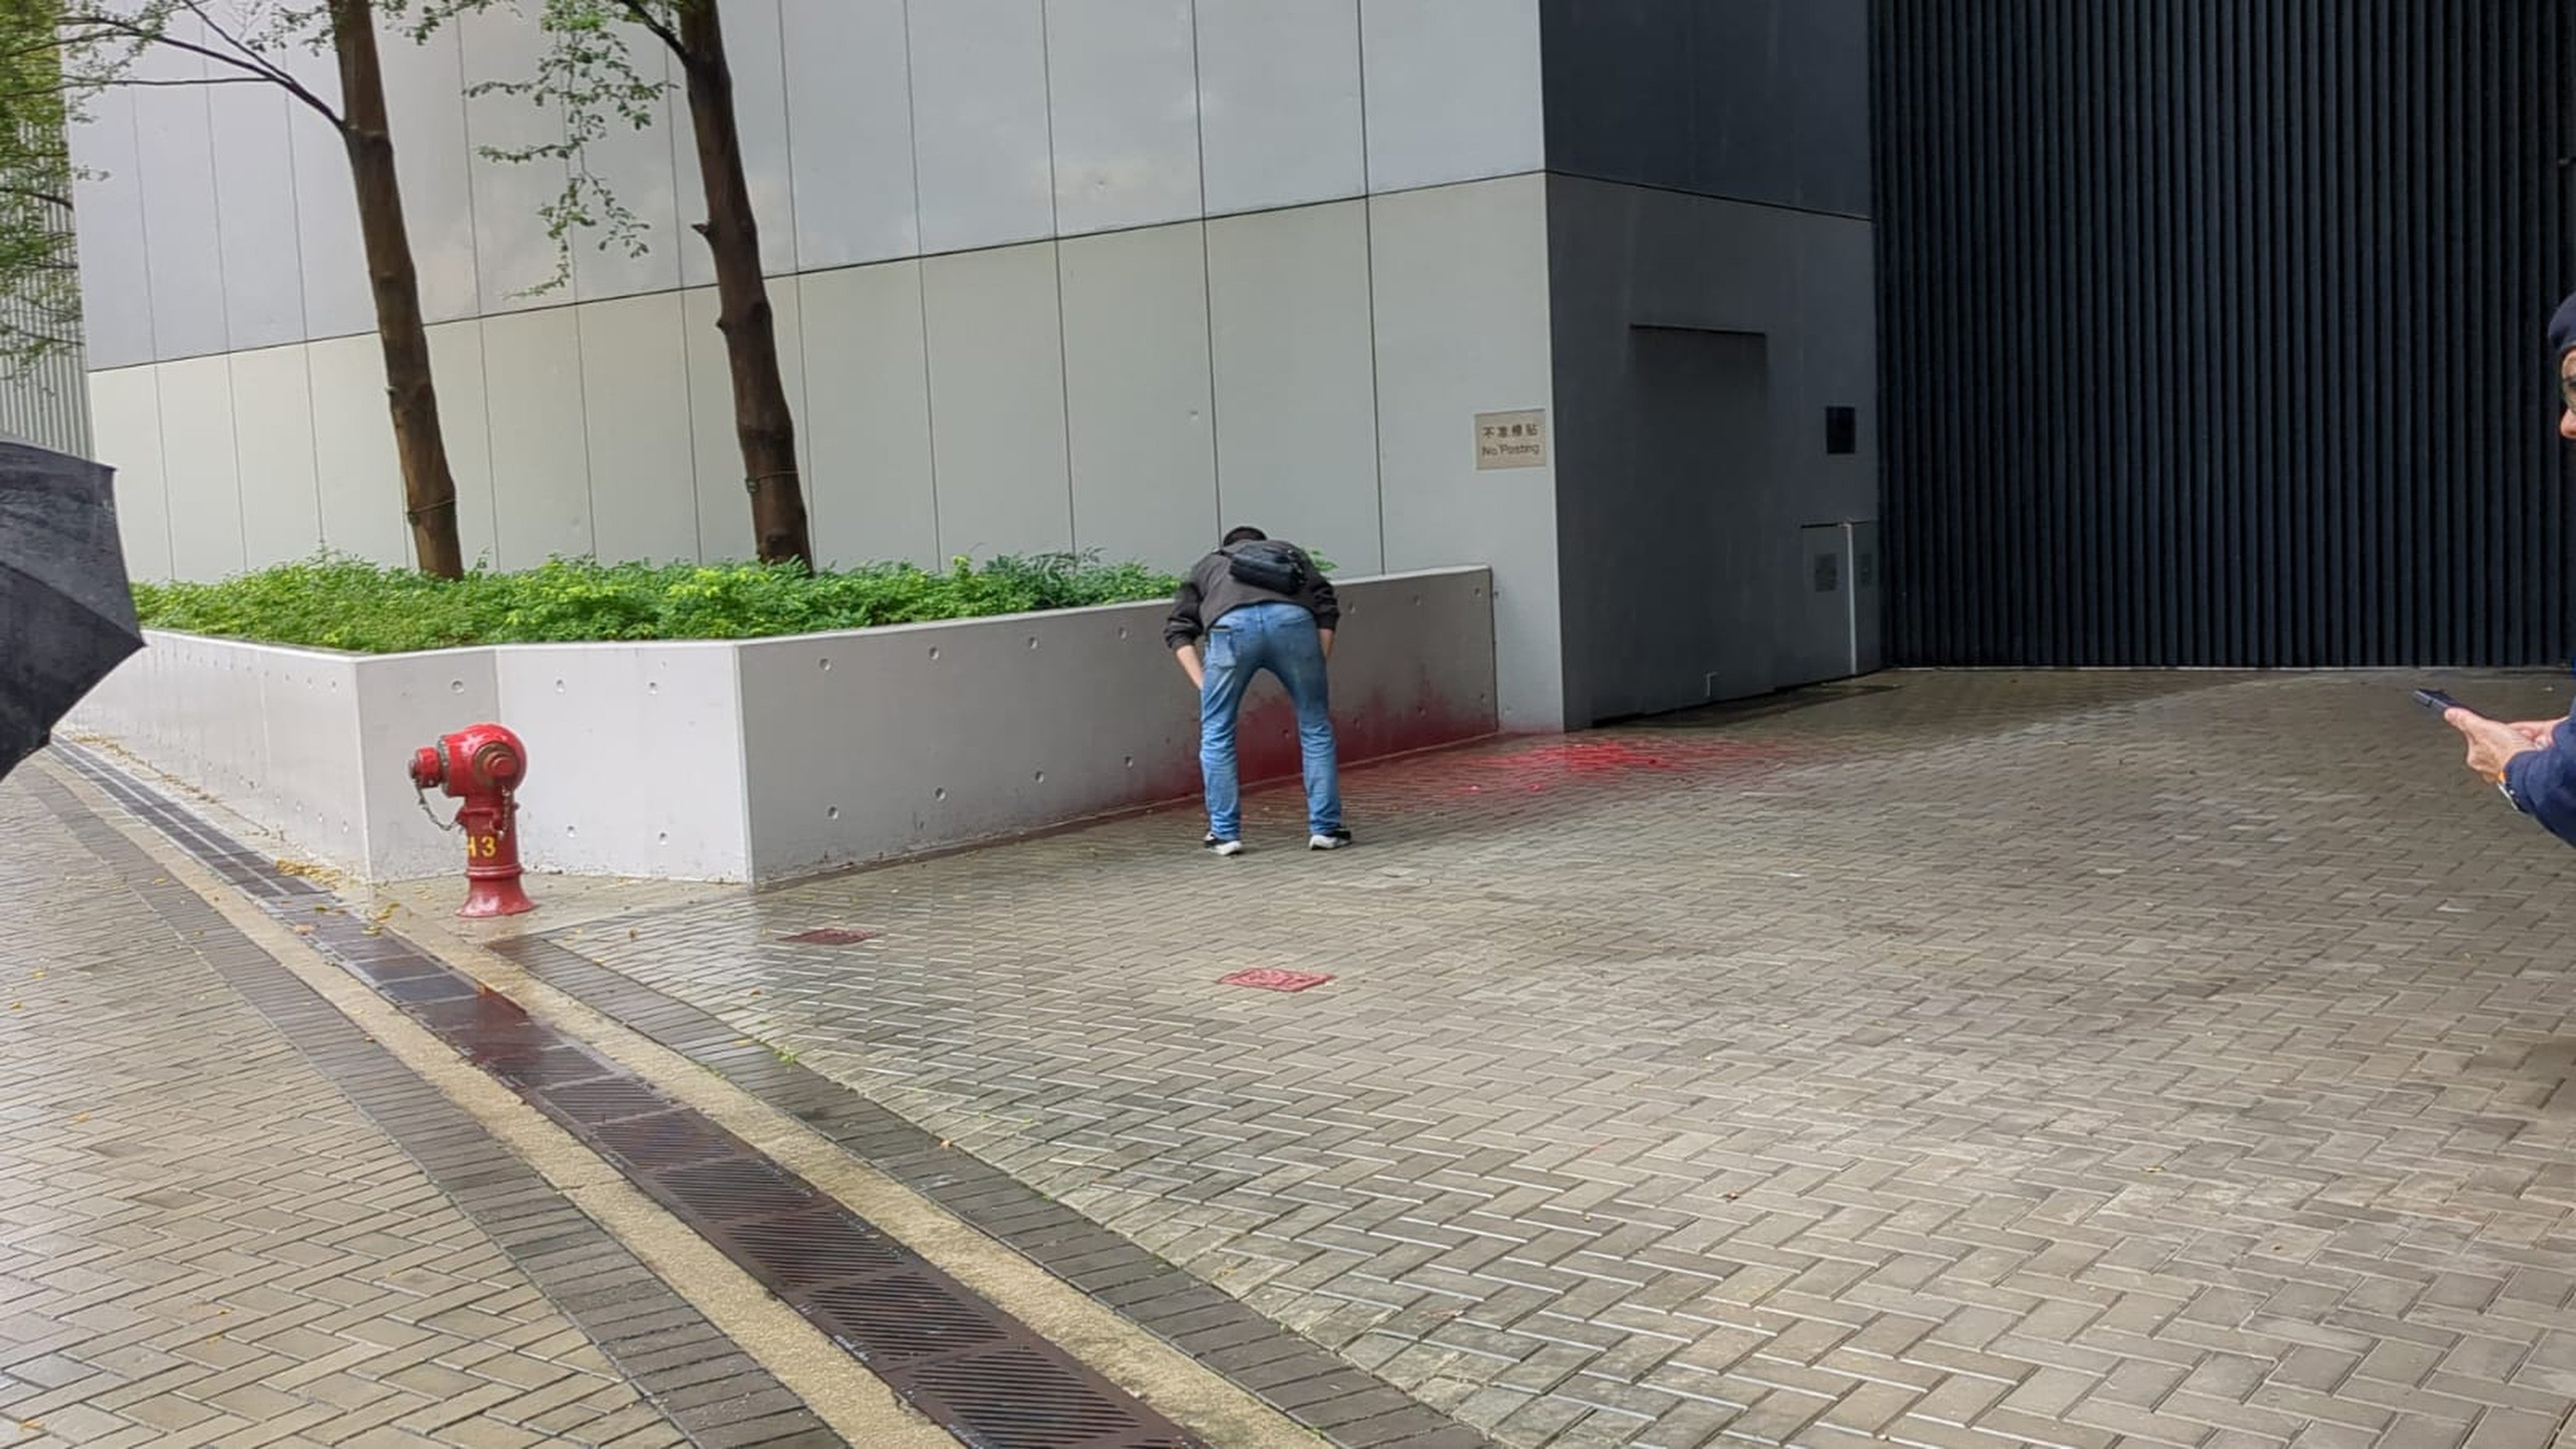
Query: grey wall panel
[255,216]
[353,451]
[541,489]
[177,168]
[2216,331]
[425,104]
[868,387]
[1137,395]
[273,435]
[635,393]
[125,413]
[979,104]
[1452,90]
[1122,94]
[1279,102]
[116,276]
[201,468]
[1296,382]
[997,422]
[1680,538]
[336,298]
[1756,100]
[512,255]
[1460,274]
[849,111]
[642,167]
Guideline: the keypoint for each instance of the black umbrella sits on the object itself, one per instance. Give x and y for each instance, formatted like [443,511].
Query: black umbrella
[66,610]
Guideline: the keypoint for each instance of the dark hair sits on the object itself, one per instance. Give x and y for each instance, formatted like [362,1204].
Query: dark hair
[1242,535]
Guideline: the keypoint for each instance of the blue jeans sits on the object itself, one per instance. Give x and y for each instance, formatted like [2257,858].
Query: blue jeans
[1282,639]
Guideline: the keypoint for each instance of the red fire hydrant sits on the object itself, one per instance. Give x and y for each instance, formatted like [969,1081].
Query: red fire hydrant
[481,765]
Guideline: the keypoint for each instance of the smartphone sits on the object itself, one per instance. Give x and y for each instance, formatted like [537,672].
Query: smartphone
[2436,701]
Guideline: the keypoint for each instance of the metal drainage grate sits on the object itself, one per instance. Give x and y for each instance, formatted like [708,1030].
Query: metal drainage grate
[604,1100]
[1042,1409]
[673,1139]
[1267,979]
[978,1372]
[530,1064]
[413,990]
[830,936]
[736,1188]
[896,1317]
[813,1249]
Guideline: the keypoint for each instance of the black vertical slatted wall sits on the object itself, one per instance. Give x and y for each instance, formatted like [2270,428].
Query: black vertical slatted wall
[2211,330]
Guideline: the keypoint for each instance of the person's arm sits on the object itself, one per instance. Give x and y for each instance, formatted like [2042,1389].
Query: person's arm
[2539,778]
[1181,630]
[1320,598]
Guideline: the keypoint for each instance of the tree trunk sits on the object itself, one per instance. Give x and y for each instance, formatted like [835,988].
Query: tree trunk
[429,489]
[762,423]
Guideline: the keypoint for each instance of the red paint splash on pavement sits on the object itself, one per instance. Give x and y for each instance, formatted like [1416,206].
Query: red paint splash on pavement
[1268,978]
[1540,766]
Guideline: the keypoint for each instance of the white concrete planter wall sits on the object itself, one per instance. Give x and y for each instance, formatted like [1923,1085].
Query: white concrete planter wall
[770,758]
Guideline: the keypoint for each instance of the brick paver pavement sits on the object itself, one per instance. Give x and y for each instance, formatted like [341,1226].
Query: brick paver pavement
[202,1241]
[1949,1060]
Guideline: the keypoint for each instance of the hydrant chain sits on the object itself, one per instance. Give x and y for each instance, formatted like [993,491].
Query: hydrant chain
[422,796]
[481,766]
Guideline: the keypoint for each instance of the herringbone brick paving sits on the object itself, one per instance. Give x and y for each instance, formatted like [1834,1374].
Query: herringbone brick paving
[1954,1060]
[202,1242]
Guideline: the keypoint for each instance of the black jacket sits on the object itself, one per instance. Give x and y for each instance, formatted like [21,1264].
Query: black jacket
[1212,591]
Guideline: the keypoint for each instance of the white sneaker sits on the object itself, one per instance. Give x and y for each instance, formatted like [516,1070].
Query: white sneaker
[1214,846]
[1328,840]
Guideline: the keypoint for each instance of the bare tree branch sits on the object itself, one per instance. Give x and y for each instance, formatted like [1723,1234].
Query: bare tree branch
[132,82]
[256,69]
[642,14]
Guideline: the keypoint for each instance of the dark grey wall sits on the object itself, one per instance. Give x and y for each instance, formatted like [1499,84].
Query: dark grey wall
[2215,330]
[1756,100]
[1678,543]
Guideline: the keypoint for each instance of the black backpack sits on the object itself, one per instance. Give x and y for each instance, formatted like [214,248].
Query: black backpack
[1268,563]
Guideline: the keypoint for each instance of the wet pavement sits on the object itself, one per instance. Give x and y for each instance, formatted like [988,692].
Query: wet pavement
[1974,1059]
[1981,1059]
[205,1238]
[509,1133]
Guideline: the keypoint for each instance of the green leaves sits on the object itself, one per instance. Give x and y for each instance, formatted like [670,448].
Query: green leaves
[40,312]
[588,77]
[335,602]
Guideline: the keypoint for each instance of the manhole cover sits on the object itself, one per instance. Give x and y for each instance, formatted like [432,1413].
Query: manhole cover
[831,936]
[1269,980]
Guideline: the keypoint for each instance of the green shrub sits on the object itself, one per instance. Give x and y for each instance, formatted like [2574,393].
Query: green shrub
[334,602]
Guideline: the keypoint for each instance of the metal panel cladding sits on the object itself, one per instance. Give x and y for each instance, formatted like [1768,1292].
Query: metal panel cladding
[2212,330]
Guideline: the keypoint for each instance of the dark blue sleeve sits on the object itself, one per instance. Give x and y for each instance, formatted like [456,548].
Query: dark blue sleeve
[2542,782]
